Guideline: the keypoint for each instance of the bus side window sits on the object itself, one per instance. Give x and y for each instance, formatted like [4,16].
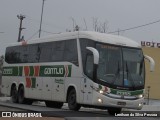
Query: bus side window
[89,66]
[70,53]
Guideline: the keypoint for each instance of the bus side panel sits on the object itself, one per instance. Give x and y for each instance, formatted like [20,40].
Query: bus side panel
[7,82]
[5,89]
[75,81]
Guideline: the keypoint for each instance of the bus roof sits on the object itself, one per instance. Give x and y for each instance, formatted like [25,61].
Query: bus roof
[96,36]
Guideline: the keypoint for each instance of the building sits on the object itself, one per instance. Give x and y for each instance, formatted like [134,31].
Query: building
[152,78]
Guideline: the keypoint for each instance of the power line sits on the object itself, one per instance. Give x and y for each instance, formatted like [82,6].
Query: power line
[49,32]
[135,27]
[48,24]
[33,35]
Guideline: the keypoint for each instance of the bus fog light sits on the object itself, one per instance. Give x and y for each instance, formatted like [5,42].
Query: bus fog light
[100,100]
[139,105]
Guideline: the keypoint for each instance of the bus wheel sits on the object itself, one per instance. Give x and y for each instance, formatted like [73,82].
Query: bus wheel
[14,94]
[21,98]
[53,104]
[72,102]
[114,110]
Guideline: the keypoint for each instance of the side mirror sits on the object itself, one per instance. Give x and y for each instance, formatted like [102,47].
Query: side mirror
[152,63]
[95,54]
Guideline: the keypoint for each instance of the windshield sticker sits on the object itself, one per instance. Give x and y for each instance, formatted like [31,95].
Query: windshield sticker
[120,92]
[126,82]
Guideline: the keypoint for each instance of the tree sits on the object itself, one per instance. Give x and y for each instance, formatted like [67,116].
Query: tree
[100,26]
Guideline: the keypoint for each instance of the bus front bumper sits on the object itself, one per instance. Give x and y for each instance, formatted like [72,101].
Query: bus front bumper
[106,101]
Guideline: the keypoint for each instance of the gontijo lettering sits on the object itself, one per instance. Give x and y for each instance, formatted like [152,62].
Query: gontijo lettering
[53,71]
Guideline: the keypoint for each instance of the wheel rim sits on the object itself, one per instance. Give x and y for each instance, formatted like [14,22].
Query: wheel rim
[72,99]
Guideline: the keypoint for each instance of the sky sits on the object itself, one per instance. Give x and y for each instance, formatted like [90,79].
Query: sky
[60,15]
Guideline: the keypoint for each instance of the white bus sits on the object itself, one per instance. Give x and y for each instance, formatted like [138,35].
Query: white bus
[80,68]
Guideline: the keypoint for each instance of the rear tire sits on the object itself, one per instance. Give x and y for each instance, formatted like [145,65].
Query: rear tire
[72,102]
[21,98]
[14,94]
[53,104]
[114,110]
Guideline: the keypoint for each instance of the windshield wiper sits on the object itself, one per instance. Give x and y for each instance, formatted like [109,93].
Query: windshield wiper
[117,73]
[128,74]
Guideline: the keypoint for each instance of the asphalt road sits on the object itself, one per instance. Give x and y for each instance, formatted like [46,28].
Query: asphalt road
[67,114]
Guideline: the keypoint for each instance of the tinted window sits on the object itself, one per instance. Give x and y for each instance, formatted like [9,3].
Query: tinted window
[23,54]
[85,43]
[45,51]
[57,51]
[70,52]
[12,55]
[33,53]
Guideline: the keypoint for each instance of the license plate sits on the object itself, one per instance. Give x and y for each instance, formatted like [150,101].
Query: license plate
[121,103]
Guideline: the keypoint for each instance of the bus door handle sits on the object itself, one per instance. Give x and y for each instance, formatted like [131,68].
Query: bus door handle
[85,85]
[57,90]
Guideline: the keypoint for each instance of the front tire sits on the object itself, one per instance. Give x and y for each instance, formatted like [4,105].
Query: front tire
[72,102]
[53,104]
[114,110]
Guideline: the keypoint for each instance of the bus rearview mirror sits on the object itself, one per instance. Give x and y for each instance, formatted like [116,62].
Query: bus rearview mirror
[151,61]
[95,54]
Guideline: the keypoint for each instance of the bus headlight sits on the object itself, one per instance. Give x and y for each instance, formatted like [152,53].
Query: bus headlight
[140,96]
[101,91]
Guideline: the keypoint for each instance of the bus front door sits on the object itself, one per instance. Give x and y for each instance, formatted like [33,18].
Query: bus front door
[59,89]
[47,88]
[87,91]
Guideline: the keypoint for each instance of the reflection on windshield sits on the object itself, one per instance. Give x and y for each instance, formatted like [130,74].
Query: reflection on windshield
[133,60]
[120,66]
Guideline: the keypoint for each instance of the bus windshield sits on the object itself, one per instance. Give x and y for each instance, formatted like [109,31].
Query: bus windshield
[120,66]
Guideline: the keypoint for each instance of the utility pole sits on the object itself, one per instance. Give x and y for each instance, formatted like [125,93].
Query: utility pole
[21,17]
[41,19]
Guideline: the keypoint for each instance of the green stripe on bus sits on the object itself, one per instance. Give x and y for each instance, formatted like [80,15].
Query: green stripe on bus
[31,71]
[20,70]
[69,70]
[45,71]
[33,82]
[125,92]
[55,71]
[10,71]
